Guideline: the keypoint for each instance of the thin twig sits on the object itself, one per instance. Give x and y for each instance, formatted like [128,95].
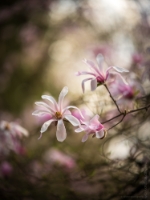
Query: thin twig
[112,98]
[112,118]
[124,114]
[118,122]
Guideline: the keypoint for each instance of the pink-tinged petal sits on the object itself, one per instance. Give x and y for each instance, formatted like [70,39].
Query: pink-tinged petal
[100,59]
[120,69]
[40,112]
[85,137]
[61,131]
[78,130]
[68,107]
[87,79]
[21,130]
[85,73]
[93,84]
[46,106]
[74,121]
[45,126]
[120,76]
[51,99]
[95,120]
[92,66]
[100,134]
[61,97]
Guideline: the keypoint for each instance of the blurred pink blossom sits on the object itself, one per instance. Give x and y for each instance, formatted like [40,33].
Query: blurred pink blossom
[5,169]
[56,156]
[10,134]
[92,126]
[126,94]
[58,113]
[137,58]
[99,75]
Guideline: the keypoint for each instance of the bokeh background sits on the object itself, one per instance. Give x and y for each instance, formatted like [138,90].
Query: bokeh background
[42,45]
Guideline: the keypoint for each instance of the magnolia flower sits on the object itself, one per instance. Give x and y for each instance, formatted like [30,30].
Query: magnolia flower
[100,74]
[130,91]
[56,156]
[92,126]
[126,94]
[58,113]
[10,133]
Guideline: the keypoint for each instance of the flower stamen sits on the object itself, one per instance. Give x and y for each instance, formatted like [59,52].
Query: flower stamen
[58,115]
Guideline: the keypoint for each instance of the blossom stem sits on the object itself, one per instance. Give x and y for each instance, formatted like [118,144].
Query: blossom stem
[113,99]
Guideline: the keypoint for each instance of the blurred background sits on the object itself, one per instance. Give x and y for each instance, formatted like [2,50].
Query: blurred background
[42,45]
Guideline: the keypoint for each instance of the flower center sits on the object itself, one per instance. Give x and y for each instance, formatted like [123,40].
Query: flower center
[58,115]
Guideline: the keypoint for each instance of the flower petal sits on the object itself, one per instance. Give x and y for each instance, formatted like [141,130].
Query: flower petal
[61,97]
[92,66]
[46,125]
[78,130]
[87,79]
[85,137]
[40,112]
[118,74]
[120,69]
[93,84]
[85,73]
[19,129]
[100,59]
[100,134]
[51,99]
[61,131]
[74,121]
[68,107]
[46,106]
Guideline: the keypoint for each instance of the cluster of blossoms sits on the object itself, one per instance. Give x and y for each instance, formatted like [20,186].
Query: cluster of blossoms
[99,75]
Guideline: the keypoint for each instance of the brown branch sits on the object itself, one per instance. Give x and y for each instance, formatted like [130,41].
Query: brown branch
[124,114]
[119,121]
[112,98]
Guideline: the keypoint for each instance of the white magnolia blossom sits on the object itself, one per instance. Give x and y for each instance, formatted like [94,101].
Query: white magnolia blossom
[58,113]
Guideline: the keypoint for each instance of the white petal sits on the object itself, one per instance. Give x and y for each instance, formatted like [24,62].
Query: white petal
[61,97]
[68,107]
[100,134]
[92,66]
[122,78]
[40,112]
[85,137]
[87,79]
[46,125]
[78,130]
[61,131]
[120,69]
[74,121]
[46,106]
[100,59]
[22,130]
[93,84]
[51,99]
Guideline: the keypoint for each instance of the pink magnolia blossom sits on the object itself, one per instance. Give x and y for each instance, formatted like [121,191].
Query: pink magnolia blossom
[58,113]
[56,156]
[126,94]
[100,74]
[10,133]
[92,126]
